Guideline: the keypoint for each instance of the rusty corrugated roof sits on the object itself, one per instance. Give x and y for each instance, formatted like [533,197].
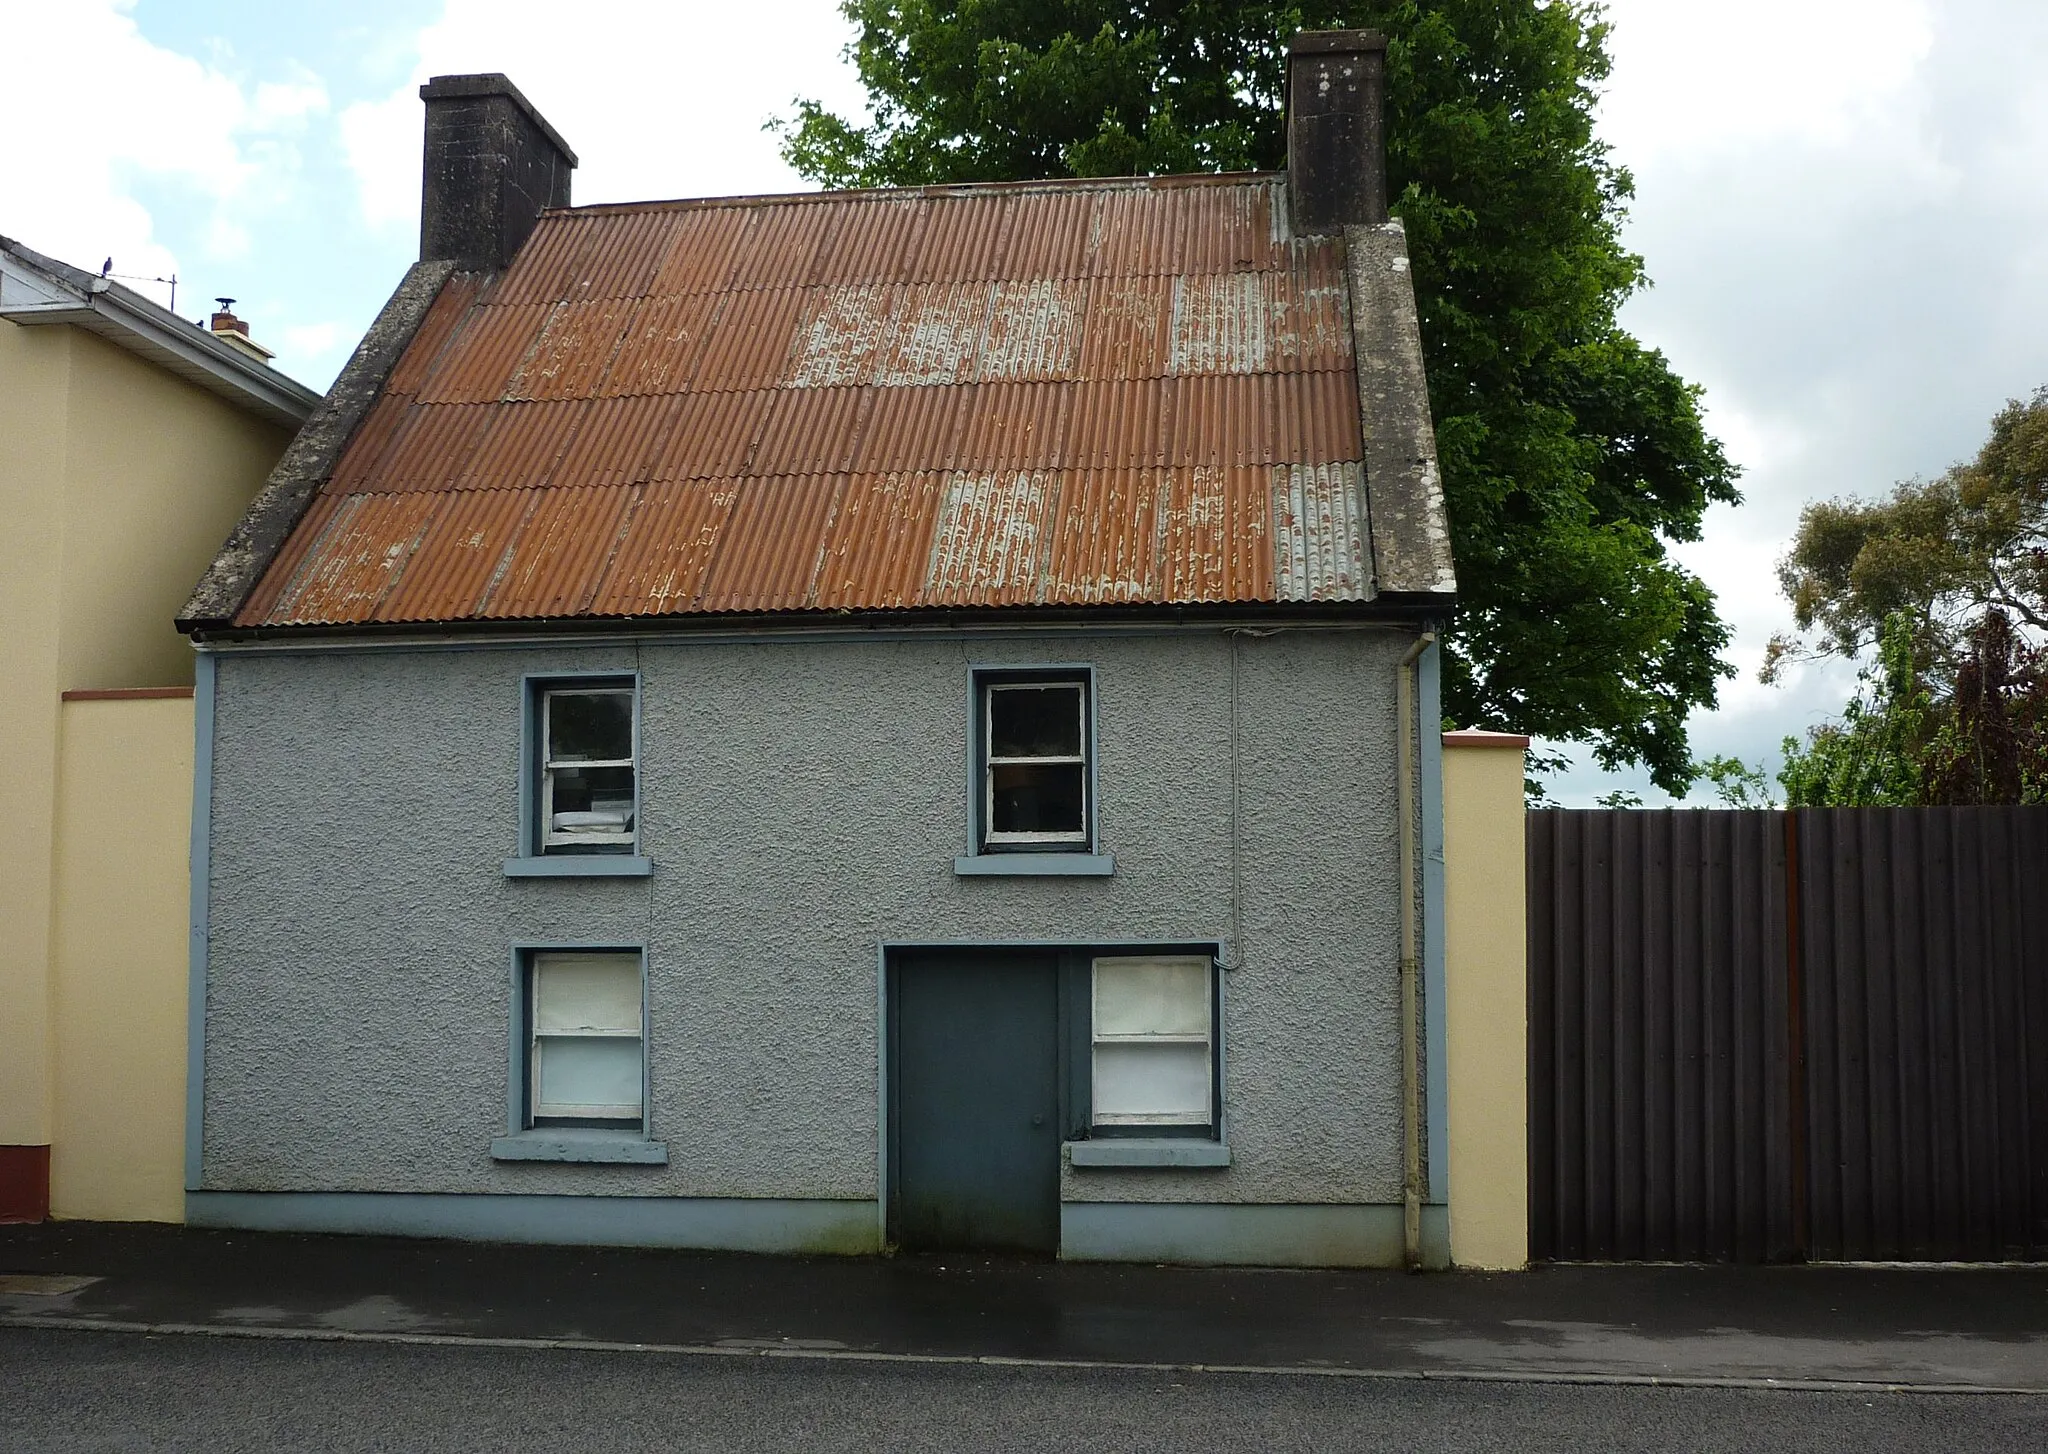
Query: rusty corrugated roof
[1122,392]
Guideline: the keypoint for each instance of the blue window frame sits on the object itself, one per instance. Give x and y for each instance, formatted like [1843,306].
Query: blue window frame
[1032,772]
[578,1086]
[579,777]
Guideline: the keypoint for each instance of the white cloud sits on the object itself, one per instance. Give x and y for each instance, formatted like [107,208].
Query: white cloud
[658,99]
[77,150]
[1694,79]
[1839,201]
[303,339]
[382,142]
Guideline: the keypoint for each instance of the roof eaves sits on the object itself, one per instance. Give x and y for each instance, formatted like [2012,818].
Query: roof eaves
[867,622]
[310,458]
[1411,538]
[130,321]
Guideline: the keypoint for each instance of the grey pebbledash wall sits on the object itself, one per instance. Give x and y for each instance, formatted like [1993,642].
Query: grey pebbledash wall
[802,803]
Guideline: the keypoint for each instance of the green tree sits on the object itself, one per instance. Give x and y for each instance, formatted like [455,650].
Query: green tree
[1872,758]
[1737,784]
[1571,454]
[1900,744]
[1937,553]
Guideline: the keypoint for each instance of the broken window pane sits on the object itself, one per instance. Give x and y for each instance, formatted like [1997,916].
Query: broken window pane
[590,726]
[590,801]
[1033,797]
[1034,721]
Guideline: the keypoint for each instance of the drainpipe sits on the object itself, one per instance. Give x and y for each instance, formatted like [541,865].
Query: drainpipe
[1411,1040]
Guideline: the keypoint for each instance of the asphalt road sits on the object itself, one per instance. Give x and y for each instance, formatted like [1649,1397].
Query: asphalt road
[1947,1329]
[115,1391]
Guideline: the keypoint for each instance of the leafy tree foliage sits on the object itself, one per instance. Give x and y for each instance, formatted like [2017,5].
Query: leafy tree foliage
[1935,553]
[1571,454]
[1737,784]
[1899,744]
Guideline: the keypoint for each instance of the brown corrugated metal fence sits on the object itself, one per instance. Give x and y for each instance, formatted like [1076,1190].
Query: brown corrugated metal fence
[1757,1036]
[1659,1117]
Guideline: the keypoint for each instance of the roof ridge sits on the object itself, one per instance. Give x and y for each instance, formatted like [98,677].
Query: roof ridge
[936,189]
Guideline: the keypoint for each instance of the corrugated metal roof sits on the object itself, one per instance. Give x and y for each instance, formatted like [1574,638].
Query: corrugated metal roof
[1069,394]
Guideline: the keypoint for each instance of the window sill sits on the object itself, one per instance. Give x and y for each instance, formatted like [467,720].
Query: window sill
[1154,1151]
[578,1144]
[579,865]
[1035,865]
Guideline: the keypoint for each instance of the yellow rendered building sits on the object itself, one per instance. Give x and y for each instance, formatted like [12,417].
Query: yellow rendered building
[131,440]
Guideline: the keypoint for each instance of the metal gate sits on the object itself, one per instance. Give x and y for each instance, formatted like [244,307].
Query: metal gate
[1761,1036]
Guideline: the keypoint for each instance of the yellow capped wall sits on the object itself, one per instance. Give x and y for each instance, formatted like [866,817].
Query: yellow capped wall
[1486,1005]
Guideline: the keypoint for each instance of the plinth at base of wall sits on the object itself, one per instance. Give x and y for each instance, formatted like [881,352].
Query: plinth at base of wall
[24,1183]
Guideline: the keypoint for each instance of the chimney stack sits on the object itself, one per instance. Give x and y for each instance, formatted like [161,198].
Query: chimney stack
[491,164]
[1336,147]
[232,331]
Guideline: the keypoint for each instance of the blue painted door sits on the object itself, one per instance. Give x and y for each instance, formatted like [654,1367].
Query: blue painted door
[974,1104]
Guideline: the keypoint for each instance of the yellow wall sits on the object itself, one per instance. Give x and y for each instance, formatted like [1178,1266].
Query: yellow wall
[1486,1019]
[35,368]
[118,482]
[158,472]
[120,960]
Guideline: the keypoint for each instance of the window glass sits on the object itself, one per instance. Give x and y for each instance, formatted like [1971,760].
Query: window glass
[1035,765]
[1168,1084]
[1038,798]
[1154,1047]
[1034,721]
[586,1079]
[586,778]
[592,798]
[1149,997]
[590,726]
[575,993]
[586,1061]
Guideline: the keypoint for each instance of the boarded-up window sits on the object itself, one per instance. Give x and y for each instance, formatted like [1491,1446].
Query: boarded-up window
[586,1053]
[1154,1041]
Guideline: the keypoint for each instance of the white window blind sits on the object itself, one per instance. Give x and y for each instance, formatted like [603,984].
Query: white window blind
[586,1037]
[1153,1041]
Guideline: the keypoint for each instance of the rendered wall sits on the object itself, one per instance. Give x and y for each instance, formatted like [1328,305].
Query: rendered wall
[1487,999]
[118,481]
[157,473]
[34,378]
[803,804]
[120,960]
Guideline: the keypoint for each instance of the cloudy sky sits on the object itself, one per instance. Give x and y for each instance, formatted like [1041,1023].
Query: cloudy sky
[1841,202]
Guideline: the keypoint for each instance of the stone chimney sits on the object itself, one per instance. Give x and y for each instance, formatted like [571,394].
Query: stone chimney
[491,164]
[232,331]
[1336,147]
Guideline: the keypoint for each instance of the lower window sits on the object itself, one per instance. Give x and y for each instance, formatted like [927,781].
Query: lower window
[586,1062]
[1153,1044]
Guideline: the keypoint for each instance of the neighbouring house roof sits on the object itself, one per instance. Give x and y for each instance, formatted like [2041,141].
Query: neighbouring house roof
[37,290]
[1079,394]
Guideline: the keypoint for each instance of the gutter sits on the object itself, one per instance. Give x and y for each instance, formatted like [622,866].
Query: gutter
[1411,889]
[134,323]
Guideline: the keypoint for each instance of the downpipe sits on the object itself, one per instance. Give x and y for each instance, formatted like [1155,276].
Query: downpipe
[1411,963]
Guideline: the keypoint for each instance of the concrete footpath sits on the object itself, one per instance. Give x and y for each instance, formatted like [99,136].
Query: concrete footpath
[1949,1329]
